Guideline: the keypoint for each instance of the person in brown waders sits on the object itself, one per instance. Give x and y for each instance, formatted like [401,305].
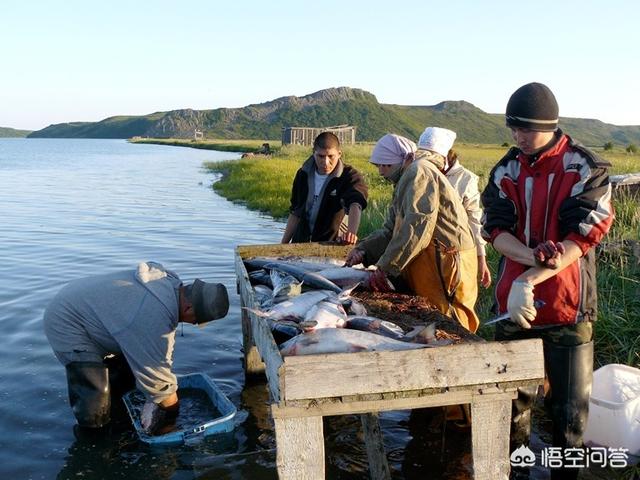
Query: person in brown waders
[426,239]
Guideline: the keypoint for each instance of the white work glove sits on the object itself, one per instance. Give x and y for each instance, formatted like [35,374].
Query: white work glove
[520,304]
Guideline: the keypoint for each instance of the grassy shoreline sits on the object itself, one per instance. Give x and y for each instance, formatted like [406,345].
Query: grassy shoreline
[223,145]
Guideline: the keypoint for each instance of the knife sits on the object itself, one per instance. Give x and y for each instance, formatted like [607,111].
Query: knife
[537,304]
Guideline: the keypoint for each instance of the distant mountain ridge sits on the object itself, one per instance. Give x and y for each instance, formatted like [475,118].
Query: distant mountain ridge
[332,106]
[6,132]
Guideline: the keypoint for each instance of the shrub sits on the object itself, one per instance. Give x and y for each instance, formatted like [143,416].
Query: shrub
[632,149]
[608,146]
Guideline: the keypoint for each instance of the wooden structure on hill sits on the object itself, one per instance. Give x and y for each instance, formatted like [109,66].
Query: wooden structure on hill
[306,135]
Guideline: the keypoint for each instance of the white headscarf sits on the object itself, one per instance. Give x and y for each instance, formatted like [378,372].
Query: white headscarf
[391,149]
[436,139]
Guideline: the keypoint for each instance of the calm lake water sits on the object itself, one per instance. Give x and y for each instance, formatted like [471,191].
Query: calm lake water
[72,208]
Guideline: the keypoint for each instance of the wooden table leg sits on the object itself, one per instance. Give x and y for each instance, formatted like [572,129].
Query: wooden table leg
[490,427]
[253,364]
[300,448]
[378,465]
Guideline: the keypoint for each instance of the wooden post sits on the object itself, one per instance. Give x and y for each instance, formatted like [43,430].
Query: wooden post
[378,465]
[490,424]
[253,364]
[300,448]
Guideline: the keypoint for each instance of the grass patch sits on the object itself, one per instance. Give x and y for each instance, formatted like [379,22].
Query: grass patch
[211,144]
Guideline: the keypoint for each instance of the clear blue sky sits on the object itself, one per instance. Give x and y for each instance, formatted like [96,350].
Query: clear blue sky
[86,60]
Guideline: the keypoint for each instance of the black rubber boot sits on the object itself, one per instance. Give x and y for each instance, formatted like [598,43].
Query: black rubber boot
[521,426]
[570,373]
[121,379]
[89,393]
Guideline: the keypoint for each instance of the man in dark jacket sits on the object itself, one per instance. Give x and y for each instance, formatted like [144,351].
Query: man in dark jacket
[547,205]
[324,189]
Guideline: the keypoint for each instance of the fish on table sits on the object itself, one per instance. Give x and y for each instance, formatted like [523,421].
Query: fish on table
[260,277]
[310,279]
[375,325]
[295,308]
[325,314]
[285,286]
[263,295]
[347,276]
[342,340]
[311,264]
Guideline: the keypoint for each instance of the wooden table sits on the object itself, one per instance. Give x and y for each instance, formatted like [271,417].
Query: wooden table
[303,389]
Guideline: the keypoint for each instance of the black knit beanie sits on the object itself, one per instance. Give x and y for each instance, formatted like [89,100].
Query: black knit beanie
[533,106]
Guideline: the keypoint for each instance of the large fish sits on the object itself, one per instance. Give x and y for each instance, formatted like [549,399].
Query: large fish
[375,325]
[325,314]
[310,264]
[263,295]
[260,277]
[310,279]
[283,330]
[284,286]
[342,340]
[346,276]
[294,309]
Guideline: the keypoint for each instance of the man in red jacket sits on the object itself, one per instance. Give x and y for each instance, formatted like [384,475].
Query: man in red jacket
[547,205]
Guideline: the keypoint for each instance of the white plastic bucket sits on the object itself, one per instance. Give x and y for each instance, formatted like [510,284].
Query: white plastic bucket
[614,408]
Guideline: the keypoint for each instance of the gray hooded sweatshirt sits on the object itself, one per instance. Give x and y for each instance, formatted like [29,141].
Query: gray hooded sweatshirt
[133,312]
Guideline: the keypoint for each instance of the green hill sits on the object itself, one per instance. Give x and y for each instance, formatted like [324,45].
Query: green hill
[333,106]
[13,133]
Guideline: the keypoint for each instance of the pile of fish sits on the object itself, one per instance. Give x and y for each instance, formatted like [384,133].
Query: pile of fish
[308,305]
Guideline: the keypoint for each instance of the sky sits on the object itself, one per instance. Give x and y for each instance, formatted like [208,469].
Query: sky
[66,61]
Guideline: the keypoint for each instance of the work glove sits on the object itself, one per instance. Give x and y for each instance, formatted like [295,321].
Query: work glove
[378,282]
[354,257]
[547,254]
[520,304]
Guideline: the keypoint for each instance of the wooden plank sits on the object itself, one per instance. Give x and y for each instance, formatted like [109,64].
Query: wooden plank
[338,406]
[260,332]
[297,249]
[378,465]
[300,448]
[253,364]
[315,376]
[490,424]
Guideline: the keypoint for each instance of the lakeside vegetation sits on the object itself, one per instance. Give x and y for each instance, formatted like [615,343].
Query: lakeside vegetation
[264,184]
[224,145]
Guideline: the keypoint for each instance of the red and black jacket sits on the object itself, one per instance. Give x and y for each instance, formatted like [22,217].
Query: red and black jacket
[563,193]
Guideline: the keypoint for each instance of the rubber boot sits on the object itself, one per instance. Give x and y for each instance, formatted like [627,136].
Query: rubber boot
[521,426]
[570,372]
[121,378]
[89,393]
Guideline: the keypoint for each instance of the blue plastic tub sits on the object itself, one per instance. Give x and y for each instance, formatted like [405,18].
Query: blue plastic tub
[223,423]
